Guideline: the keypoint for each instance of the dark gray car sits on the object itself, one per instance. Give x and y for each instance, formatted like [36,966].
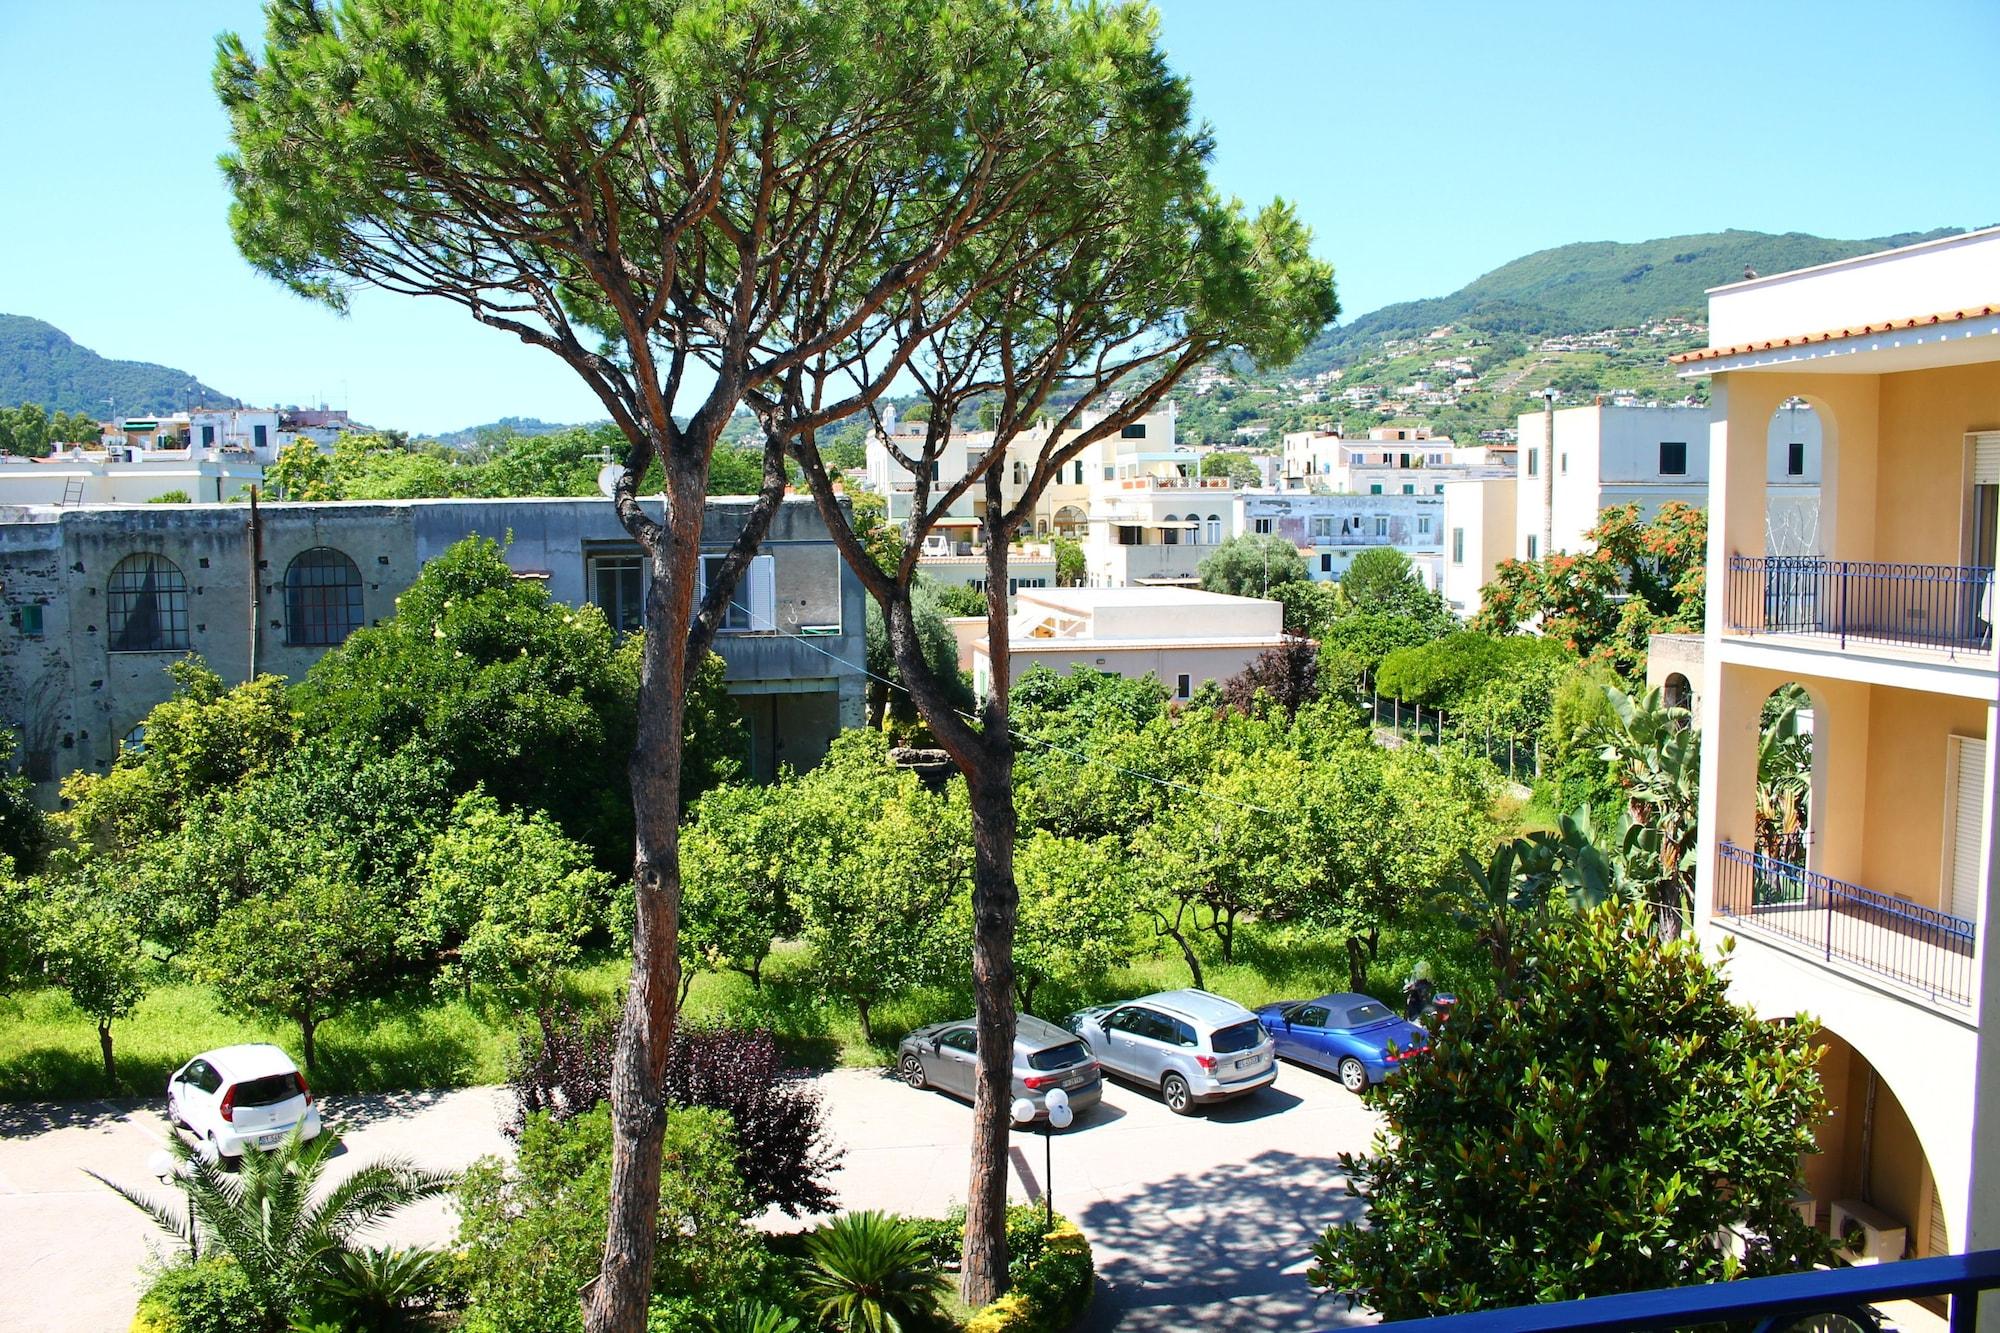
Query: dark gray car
[942,1056]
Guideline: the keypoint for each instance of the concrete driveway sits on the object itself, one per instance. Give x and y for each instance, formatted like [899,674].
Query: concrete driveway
[71,1251]
[1206,1220]
[1199,1221]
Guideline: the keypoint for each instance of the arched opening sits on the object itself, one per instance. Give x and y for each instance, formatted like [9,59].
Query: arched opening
[1871,1179]
[1170,530]
[322,598]
[1215,529]
[1069,521]
[1675,692]
[1795,464]
[146,606]
[1785,775]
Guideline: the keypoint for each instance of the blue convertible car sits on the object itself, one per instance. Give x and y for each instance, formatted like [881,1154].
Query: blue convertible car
[1360,1039]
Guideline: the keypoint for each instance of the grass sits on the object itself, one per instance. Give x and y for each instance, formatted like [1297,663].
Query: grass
[421,1038]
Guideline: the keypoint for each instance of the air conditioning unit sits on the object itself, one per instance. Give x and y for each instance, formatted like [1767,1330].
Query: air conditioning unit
[1876,1237]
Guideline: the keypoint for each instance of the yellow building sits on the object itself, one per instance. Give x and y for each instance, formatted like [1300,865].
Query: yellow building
[1873,912]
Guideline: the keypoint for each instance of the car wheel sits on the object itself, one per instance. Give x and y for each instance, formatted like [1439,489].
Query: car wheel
[913,1071]
[1353,1075]
[1174,1092]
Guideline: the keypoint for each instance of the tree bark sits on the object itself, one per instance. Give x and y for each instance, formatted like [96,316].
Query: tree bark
[307,1027]
[995,903]
[1172,930]
[616,1301]
[104,1045]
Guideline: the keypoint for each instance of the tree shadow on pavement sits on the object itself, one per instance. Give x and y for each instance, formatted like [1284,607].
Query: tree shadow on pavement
[349,1111]
[20,1120]
[1221,1249]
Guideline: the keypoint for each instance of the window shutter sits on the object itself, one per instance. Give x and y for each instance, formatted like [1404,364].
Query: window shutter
[1986,458]
[763,594]
[1968,813]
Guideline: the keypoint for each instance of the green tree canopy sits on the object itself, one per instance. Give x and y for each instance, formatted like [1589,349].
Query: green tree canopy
[1250,565]
[1616,1125]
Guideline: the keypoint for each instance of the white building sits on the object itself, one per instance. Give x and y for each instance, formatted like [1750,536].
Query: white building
[1183,637]
[1478,523]
[1333,529]
[122,474]
[1648,456]
[1391,460]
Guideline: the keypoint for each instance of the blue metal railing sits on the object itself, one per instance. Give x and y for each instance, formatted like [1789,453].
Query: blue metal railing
[1761,1303]
[1949,607]
[1921,947]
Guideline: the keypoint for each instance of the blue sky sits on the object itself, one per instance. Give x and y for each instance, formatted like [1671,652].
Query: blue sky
[1425,144]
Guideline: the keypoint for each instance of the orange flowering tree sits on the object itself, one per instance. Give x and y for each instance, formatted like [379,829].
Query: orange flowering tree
[1636,578]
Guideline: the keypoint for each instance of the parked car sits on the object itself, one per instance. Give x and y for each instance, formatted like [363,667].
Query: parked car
[1358,1038]
[1194,1046]
[241,1097]
[1046,1057]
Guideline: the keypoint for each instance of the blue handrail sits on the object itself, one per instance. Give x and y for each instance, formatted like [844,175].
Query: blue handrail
[1775,1300]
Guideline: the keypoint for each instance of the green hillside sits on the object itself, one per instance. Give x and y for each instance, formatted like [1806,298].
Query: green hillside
[39,363]
[1594,285]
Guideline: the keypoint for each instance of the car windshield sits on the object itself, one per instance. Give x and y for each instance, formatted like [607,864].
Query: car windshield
[1059,1057]
[268,1090]
[1241,1037]
[1363,1014]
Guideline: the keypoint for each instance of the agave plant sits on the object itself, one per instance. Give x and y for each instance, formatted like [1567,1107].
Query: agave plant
[870,1272]
[272,1218]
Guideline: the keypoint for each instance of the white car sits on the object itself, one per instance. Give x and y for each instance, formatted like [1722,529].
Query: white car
[241,1097]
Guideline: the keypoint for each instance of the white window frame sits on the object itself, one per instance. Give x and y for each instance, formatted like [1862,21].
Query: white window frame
[753,609]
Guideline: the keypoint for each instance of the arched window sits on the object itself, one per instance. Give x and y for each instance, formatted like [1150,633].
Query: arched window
[146,606]
[1215,529]
[322,598]
[1676,692]
[1170,530]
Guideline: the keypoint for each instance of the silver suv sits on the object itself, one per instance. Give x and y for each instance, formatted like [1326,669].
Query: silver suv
[1194,1046]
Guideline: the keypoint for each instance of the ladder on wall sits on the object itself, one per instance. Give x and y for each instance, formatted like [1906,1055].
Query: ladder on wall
[72,492]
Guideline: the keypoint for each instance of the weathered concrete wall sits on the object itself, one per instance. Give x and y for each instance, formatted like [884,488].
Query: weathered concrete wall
[72,700]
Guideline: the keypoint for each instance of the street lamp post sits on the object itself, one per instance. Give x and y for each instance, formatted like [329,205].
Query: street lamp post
[1061,1115]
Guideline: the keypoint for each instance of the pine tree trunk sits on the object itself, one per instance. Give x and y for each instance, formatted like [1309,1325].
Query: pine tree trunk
[615,1302]
[995,904]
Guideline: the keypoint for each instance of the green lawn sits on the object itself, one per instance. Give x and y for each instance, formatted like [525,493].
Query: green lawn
[423,1038]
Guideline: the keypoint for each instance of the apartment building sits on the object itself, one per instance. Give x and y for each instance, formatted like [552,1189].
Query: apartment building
[1183,637]
[1330,530]
[1390,460]
[124,474]
[99,601]
[1605,456]
[1876,917]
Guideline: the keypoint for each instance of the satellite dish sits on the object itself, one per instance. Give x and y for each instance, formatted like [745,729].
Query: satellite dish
[1023,1110]
[607,478]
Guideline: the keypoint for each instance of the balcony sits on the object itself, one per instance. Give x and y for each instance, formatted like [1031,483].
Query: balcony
[1917,947]
[1944,609]
[1175,484]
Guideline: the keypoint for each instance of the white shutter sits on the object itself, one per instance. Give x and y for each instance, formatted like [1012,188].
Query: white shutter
[1965,879]
[1985,458]
[760,593]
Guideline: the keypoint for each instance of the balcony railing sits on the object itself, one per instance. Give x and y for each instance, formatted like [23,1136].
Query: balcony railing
[1922,948]
[1176,484]
[1790,1301]
[1947,607]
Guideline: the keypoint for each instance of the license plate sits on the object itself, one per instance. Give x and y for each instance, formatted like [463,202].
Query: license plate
[269,1140]
[1246,1063]
[1076,1080]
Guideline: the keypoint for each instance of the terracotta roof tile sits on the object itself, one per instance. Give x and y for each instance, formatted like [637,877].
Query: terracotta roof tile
[1828,335]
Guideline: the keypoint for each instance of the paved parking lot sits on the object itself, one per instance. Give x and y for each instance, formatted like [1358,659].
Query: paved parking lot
[1205,1220]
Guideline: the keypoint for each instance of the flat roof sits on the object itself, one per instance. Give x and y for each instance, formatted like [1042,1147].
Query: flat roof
[1095,599]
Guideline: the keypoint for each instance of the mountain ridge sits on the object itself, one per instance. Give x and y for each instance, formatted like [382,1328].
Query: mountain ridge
[39,363]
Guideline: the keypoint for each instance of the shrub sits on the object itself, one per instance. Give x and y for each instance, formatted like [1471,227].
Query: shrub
[1050,1290]
[777,1117]
[537,1228]
[205,1296]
